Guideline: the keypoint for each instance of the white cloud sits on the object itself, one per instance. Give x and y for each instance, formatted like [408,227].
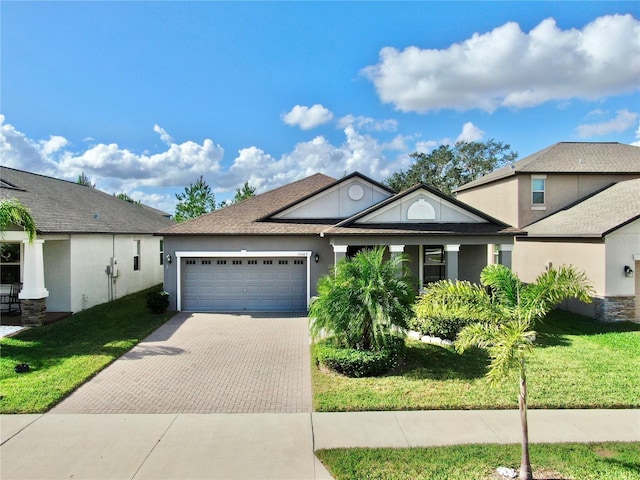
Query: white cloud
[367,123]
[164,136]
[470,133]
[637,143]
[307,117]
[623,120]
[507,67]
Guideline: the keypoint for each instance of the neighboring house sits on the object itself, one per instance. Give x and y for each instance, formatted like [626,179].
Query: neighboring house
[267,253]
[560,196]
[91,247]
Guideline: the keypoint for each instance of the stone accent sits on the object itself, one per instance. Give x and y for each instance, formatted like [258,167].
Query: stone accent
[615,309]
[34,311]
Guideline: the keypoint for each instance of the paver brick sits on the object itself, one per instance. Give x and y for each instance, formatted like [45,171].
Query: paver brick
[207,363]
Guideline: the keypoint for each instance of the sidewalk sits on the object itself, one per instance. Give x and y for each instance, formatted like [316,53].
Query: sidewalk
[265,445]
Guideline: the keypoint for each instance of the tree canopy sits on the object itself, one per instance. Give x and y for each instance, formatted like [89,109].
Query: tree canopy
[447,168]
[124,196]
[244,192]
[196,200]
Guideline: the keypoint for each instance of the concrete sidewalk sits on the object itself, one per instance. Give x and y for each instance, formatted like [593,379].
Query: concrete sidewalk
[264,445]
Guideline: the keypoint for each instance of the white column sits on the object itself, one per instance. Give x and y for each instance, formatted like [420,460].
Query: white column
[33,271]
[339,252]
[452,261]
[504,254]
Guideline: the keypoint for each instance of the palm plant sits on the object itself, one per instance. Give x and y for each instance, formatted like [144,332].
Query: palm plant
[506,310]
[12,212]
[362,299]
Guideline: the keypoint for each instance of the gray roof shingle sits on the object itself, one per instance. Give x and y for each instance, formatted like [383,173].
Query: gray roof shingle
[243,218]
[570,157]
[595,216]
[60,206]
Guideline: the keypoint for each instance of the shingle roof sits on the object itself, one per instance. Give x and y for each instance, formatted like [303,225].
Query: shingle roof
[253,217]
[242,218]
[60,206]
[570,157]
[595,216]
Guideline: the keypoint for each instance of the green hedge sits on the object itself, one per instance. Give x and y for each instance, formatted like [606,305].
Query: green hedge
[359,363]
[443,327]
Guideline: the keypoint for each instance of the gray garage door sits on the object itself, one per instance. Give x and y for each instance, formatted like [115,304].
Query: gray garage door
[244,284]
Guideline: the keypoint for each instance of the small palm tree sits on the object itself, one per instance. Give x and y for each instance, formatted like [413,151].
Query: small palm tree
[12,212]
[506,310]
[362,299]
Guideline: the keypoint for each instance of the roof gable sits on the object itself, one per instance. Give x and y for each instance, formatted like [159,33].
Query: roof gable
[570,158]
[344,198]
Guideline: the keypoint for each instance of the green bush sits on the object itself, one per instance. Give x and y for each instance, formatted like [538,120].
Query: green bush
[438,326]
[359,363]
[158,302]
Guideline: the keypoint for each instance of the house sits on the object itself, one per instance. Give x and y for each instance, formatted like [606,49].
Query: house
[578,203]
[267,252]
[91,247]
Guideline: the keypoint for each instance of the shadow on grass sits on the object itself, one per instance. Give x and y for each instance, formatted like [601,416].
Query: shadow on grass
[560,322]
[425,361]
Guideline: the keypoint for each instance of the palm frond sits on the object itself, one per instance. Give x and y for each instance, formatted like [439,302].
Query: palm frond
[12,212]
[504,284]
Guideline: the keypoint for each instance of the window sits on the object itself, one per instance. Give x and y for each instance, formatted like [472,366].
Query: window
[136,254]
[10,263]
[434,264]
[206,262]
[252,262]
[283,262]
[221,262]
[537,189]
[161,252]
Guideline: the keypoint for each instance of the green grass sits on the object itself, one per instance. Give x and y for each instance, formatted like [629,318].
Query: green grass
[577,363]
[64,354]
[601,461]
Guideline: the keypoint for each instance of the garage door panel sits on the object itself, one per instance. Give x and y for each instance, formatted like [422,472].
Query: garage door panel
[240,284]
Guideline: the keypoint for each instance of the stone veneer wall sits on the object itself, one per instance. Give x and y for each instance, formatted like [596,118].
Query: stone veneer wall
[615,309]
[34,311]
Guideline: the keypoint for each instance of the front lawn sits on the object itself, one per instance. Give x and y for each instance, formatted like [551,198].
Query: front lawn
[63,355]
[577,363]
[601,461]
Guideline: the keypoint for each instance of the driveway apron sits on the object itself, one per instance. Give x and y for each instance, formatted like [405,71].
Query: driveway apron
[207,363]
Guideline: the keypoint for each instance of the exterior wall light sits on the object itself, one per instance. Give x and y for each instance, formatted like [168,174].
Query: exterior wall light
[628,272]
[169,258]
[317,258]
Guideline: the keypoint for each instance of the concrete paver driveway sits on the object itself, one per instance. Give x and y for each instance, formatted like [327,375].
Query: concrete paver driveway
[207,363]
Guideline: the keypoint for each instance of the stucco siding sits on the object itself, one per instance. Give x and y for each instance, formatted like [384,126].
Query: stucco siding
[91,254]
[621,246]
[531,257]
[57,274]
[498,199]
[472,259]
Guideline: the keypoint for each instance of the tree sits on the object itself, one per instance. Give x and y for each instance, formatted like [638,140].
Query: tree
[244,192]
[12,212]
[447,168]
[508,310]
[362,299]
[83,179]
[197,199]
[124,196]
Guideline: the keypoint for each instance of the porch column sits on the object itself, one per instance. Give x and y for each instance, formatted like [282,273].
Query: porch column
[504,254]
[33,293]
[339,252]
[396,250]
[452,261]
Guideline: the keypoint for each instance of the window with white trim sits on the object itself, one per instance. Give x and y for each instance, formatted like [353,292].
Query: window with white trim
[136,254]
[538,185]
[10,263]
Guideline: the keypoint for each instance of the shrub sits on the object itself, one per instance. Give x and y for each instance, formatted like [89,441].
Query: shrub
[359,363]
[439,326]
[158,302]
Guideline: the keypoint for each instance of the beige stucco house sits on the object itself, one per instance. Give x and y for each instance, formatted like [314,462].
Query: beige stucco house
[91,247]
[579,204]
[267,253]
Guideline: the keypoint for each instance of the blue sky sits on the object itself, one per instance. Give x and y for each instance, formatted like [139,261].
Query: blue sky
[144,97]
